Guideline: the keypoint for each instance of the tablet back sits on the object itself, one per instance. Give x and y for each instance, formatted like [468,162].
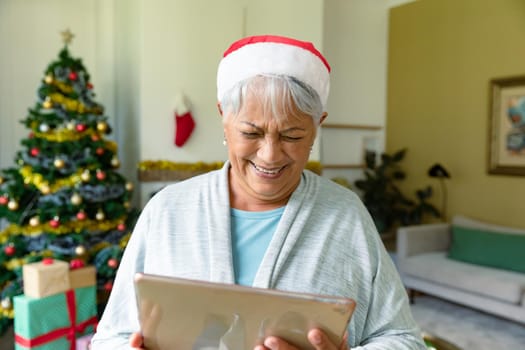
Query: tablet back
[185,314]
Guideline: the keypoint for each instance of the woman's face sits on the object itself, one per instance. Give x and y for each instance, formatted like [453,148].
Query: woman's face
[267,154]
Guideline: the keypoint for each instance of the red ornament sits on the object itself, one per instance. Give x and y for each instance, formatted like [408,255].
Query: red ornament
[34,152]
[10,250]
[47,261]
[108,286]
[99,151]
[54,223]
[73,76]
[31,135]
[89,86]
[3,200]
[121,227]
[81,215]
[76,264]
[95,138]
[80,127]
[101,175]
[113,263]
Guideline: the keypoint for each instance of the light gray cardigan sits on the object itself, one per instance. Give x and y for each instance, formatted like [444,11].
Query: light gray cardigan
[325,243]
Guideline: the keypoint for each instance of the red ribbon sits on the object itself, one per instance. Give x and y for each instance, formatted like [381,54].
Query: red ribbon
[68,332]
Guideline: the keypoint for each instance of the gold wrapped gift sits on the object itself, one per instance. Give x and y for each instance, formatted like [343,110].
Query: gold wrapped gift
[46,277]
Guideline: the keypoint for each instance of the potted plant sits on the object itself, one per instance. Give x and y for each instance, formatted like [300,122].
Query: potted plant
[387,205]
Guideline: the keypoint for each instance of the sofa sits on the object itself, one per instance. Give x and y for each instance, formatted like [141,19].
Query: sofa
[466,261]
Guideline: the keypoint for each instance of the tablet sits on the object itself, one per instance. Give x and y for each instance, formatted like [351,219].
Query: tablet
[176,313]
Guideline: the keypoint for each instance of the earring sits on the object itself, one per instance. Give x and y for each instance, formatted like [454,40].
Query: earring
[224,142]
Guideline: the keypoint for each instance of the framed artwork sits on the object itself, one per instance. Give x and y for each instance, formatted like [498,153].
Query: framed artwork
[507,126]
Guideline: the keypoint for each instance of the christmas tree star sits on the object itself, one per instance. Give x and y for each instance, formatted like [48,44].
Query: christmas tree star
[67,36]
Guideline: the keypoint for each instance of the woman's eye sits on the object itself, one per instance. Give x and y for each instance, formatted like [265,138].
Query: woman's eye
[250,135]
[291,139]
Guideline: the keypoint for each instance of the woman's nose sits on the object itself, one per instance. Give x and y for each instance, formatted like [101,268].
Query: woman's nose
[270,151]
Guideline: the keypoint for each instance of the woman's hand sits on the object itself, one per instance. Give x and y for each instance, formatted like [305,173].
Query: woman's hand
[316,337]
[136,341]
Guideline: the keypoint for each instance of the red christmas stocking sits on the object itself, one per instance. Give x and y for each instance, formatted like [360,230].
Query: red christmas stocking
[184,122]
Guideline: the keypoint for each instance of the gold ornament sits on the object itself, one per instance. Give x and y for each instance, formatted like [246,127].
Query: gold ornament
[115,162]
[129,186]
[34,221]
[6,303]
[12,205]
[1,180]
[76,199]
[45,189]
[70,126]
[85,176]
[80,250]
[48,79]
[102,126]
[126,205]
[100,215]
[59,163]
[47,104]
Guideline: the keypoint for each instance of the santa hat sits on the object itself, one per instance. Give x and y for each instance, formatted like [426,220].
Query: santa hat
[270,54]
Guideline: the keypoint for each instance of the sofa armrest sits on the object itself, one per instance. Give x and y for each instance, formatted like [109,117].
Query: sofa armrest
[413,240]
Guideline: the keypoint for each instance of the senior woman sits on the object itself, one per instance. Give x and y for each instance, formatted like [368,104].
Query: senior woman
[263,220]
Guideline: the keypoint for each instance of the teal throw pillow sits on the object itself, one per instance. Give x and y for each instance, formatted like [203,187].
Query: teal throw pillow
[488,248]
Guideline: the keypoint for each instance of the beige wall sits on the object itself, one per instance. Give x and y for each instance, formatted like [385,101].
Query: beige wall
[442,55]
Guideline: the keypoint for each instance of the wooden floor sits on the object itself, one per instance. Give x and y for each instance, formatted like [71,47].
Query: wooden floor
[7,341]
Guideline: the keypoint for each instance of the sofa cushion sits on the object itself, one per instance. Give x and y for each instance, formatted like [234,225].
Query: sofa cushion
[503,285]
[488,248]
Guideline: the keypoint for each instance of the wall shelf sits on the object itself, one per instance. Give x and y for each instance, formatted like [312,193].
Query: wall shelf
[351,126]
[343,166]
[336,138]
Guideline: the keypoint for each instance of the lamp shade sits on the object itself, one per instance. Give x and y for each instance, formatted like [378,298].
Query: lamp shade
[437,170]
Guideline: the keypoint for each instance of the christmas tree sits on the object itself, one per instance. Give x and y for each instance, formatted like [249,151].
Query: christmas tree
[63,198]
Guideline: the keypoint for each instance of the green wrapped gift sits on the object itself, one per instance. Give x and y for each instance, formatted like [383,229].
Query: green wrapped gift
[55,321]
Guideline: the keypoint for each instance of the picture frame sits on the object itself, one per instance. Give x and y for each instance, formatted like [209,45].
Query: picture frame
[506,146]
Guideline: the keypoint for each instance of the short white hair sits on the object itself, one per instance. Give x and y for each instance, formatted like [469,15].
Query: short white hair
[284,95]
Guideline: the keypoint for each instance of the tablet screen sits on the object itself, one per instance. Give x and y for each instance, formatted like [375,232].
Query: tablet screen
[177,313]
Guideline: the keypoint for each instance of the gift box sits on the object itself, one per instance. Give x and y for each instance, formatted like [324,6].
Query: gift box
[84,342]
[45,278]
[54,322]
[82,277]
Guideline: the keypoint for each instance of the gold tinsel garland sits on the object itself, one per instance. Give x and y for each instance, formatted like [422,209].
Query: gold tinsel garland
[64,228]
[314,166]
[169,165]
[65,135]
[73,105]
[17,263]
[43,185]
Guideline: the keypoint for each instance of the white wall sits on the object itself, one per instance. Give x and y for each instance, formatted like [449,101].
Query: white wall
[140,53]
[30,39]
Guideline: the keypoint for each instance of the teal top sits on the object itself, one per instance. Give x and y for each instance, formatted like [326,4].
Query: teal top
[252,232]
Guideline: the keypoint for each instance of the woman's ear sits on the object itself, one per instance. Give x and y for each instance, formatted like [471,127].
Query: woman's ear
[323,117]
[219,108]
